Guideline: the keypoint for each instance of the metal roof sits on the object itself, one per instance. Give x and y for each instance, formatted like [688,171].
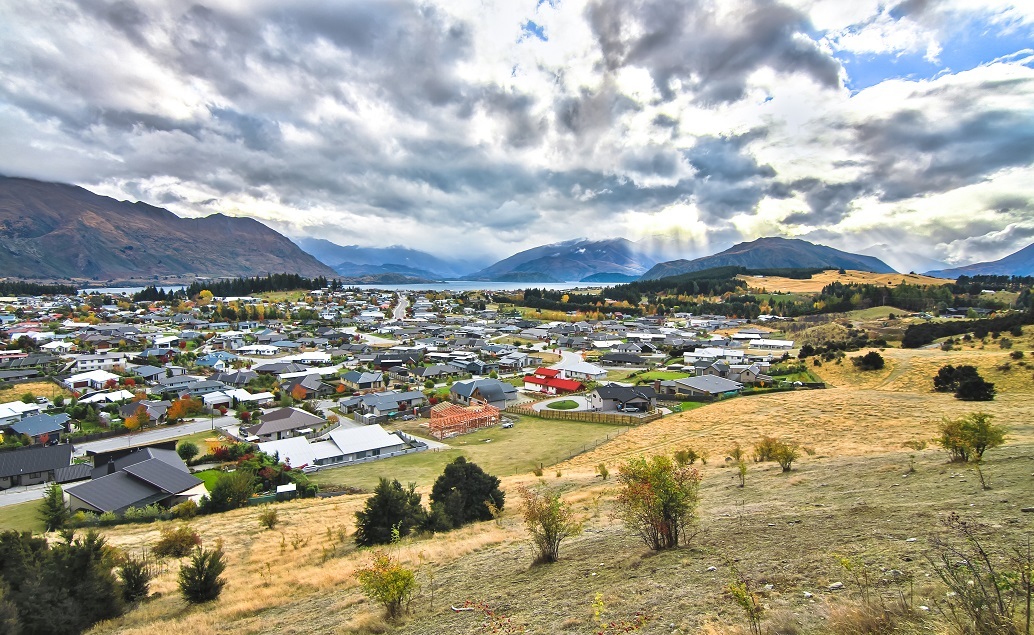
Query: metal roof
[35,459]
[162,475]
[116,492]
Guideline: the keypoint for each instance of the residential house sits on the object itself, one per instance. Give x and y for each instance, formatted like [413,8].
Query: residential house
[312,385]
[358,380]
[40,427]
[496,393]
[33,465]
[144,477]
[345,445]
[632,399]
[156,410]
[392,403]
[622,359]
[703,387]
[283,423]
[580,370]
[549,381]
[94,379]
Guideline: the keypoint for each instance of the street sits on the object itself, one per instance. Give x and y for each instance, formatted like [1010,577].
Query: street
[400,308]
[163,433]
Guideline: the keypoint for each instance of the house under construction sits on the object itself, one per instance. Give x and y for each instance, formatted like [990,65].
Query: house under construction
[448,419]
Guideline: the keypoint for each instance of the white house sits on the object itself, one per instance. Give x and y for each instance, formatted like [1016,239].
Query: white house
[93,379]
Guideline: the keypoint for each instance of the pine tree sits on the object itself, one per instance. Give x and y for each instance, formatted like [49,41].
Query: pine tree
[200,580]
[52,510]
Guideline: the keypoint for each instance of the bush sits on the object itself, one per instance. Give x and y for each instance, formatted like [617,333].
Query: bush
[549,521]
[965,382]
[975,389]
[176,542]
[387,582]
[391,508]
[187,450]
[870,361]
[185,510]
[136,579]
[968,437]
[463,491]
[231,491]
[269,517]
[764,449]
[658,500]
[686,457]
[199,579]
[1016,354]
[785,454]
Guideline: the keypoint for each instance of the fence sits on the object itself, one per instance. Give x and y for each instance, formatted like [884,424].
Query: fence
[588,417]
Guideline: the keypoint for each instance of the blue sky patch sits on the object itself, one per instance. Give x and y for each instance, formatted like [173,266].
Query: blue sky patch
[529,29]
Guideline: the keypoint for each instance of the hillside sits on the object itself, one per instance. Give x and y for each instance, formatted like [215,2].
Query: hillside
[818,281]
[572,260]
[773,253]
[861,495]
[350,260]
[57,231]
[1020,263]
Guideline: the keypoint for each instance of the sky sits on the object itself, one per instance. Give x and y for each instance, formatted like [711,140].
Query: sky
[474,129]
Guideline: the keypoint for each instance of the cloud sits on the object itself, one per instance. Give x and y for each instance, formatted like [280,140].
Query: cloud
[480,127]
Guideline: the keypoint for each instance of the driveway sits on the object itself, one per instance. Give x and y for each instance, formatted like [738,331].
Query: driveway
[582,403]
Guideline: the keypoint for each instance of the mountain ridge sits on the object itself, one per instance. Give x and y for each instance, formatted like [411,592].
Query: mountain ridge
[62,231]
[1018,263]
[772,253]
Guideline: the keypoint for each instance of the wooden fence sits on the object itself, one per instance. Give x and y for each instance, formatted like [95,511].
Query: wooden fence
[588,417]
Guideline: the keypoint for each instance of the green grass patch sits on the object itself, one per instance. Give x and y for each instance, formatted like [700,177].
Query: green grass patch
[564,404]
[21,517]
[209,477]
[684,406]
[660,375]
[499,451]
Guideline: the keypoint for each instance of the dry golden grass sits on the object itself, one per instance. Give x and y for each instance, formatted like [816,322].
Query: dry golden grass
[36,388]
[855,496]
[814,285]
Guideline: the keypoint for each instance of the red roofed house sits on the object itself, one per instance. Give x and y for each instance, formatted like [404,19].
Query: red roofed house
[547,380]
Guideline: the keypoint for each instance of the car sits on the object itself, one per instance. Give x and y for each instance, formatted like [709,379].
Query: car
[631,409]
[41,400]
[508,424]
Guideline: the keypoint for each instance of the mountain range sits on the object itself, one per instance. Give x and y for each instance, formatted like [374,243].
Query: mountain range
[353,260]
[56,231]
[773,253]
[1019,263]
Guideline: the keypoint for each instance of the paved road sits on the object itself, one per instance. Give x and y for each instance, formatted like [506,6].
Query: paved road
[400,308]
[17,495]
[163,433]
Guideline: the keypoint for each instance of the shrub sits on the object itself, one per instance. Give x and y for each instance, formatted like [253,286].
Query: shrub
[391,508]
[870,361]
[764,449]
[549,521]
[686,457]
[269,517]
[231,491]
[388,583]
[785,454]
[975,389]
[1016,354]
[187,450]
[463,491]
[185,510]
[1005,343]
[136,579]
[176,542]
[968,437]
[658,500]
[965,382]
[199,579]
[602,471]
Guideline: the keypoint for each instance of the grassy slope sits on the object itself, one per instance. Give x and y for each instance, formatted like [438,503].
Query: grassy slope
[853,497]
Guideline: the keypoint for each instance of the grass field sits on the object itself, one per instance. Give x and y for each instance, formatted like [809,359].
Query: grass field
[210,477]
[500,451]
[46,389]
[660,375]
[817,281]
[21,517]
[861,495]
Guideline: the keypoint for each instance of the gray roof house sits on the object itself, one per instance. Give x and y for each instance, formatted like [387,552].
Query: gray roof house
[496,393]
[141,478]
[283,423]
[32,465]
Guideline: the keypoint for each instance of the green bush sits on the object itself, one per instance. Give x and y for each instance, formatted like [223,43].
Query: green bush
[176,542]
[658,500]
[231,491]
[388,583]
[269,517]
[549,521]
[464,490]
[52,510]
[199,579]
[392,508]
[968,437]
[136,579]
[187,450]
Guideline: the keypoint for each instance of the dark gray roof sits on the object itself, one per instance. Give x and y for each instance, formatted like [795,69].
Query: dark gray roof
[625,394]
[35,459]
[116,492]
[710,384]
[75,472]
[163,476]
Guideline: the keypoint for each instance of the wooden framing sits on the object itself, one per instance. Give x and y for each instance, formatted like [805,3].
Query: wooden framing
[449,420]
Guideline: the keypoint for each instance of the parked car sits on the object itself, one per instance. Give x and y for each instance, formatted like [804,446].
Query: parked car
[508,424]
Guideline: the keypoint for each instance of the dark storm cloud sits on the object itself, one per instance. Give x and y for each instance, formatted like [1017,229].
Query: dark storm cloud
[688,42]
[913,155]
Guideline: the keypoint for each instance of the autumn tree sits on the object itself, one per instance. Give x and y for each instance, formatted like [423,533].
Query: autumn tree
[658,500]
[549,521]
[137,420]
[298,393]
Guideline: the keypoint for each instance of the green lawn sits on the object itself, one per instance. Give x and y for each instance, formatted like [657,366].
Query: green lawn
[564,404]
[209,477]
[499,451]
[21,517]
[660,375]
[684,406]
